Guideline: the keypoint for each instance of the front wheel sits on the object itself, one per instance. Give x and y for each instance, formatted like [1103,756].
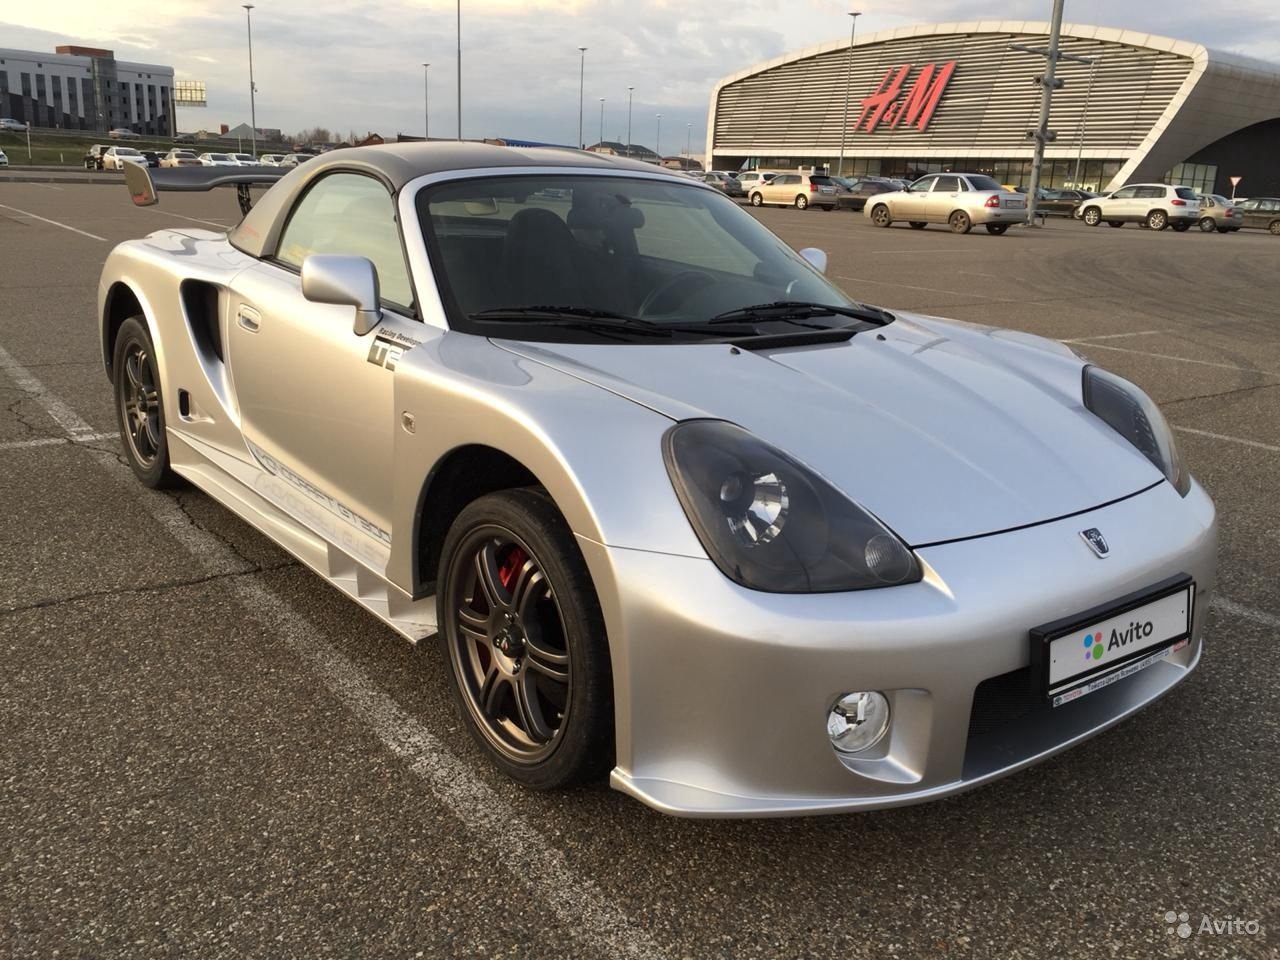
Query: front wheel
[802,202]
[756,200]
[880,215]
[960,222]
[1207,224]
[1274,228]
[525,641]
[1092,216]
[1115,223]
[997,228]
[1180,227]
[140,405]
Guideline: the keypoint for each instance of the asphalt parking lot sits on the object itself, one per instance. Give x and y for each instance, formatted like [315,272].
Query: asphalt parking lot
[206,751]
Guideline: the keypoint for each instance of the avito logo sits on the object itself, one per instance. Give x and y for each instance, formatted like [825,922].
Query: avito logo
[1095,648]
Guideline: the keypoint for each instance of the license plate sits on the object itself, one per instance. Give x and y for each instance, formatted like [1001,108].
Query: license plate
[1014,202]
[1082,654]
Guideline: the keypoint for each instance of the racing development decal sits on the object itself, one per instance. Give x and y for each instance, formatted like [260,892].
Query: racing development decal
[388,347]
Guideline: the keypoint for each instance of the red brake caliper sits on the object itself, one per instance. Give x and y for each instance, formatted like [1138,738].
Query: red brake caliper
[509,567]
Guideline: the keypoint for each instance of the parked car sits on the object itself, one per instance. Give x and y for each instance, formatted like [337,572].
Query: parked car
[93,156]
[799,190]
[1218,213]
[4,159]
[753,178]
[1156,205]
[1261,213]
[960,200]
[293,159]
[856,199]
[153,158]
[1060,203]
[122,133]
[271,159]
[218,160]
[677,510]
[114,158]
[177,157]
[724,182]
[185,138]
[244,159]
[11,125]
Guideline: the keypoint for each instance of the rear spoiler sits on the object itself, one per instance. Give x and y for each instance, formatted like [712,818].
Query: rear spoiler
[144,183]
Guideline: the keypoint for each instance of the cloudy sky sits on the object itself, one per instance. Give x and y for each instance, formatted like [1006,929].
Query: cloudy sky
[356,65]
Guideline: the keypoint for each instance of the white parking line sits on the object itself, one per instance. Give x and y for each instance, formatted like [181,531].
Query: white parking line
[56,441]
[166,213]
[1115,336]
[583,909]
[1170,356]
[1222,436]
[1247,612]
[36,216]
[912,286]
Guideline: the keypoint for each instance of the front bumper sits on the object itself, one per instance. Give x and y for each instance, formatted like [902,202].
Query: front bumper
[722,693]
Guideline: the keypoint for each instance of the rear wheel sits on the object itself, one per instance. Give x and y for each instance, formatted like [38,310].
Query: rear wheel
[1115,223]
[1207,224]
[918,224]
[756,200]
[997,228]
[139,405]
[959,222]
[1092,216]
[802,202]
[1180,227]
[1157,220]
[525,641]
[880,215]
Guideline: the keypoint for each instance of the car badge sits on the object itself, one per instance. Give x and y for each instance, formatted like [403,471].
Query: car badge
[1096,541]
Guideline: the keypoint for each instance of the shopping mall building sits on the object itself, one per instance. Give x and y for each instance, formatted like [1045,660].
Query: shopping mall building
[954,96]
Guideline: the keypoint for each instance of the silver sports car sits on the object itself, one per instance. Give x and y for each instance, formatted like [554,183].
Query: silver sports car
[678,509]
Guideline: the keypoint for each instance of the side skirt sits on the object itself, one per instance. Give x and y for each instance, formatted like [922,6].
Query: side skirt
[413,619]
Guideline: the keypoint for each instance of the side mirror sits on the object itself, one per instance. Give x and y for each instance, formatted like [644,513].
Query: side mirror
[347,281]
[816,258]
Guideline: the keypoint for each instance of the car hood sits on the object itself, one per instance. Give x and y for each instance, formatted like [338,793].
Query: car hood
[943,430]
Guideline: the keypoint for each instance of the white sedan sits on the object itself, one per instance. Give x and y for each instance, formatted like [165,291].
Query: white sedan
[218,160]
[115,158]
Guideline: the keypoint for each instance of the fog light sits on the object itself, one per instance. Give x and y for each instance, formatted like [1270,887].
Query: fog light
[858,721]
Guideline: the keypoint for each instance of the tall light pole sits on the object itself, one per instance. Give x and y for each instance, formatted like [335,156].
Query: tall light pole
[253,112]
[630,90]
[459,69]
[848,80]
[426,102]
[657,140]
[582,75]
[601,140]
[1084,116]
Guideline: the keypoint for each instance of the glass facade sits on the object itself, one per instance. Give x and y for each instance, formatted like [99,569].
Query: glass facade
[1199,177]
[1087,174]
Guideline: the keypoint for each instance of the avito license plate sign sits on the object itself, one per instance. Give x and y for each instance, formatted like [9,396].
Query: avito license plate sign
[1092,654]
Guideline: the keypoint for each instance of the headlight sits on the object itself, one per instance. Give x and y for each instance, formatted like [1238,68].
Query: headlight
[1135,416]
[770,523]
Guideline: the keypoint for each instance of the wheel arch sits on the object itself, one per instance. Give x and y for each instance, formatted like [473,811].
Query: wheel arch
[121,302]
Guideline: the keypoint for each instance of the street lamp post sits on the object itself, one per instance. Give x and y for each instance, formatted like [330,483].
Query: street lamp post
[601,140]
[582,75]
[688,145]
[848,80]
[657,140]
[426,101]
[630,90]
[459,69]
[253,112]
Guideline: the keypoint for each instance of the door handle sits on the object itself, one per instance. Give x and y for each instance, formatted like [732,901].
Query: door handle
[248,318]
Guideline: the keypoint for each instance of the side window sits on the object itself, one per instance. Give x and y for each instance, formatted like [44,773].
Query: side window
[1151,193]
[1125,193]
[946,185]
[922,186]
[351,214]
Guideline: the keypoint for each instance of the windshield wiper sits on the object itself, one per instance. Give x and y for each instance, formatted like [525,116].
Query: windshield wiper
[794,311]
[575,318]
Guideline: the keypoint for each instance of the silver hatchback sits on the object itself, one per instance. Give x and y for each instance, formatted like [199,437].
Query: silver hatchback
[959,200]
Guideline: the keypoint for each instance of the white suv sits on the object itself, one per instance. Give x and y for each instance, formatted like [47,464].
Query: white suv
[1157,205]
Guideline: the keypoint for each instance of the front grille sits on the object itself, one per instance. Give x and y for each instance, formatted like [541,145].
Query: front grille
[1001,700]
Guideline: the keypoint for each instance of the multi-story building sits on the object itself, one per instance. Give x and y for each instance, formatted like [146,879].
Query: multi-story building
[957,96]
[85,88]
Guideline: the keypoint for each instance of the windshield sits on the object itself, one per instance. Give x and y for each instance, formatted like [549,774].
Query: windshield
[217,156]
[661,252]
[127,152]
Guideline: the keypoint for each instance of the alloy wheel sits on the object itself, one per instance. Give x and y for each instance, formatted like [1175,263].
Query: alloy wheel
[880,216]
[510,647]
[140,404]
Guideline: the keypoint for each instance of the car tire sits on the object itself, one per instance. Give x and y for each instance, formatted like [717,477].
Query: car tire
[756,200]
[1157,220]
[1274,227]
[997,229]
[1225,230]
[1207,224]
[508,686]
[802,202]
[1092,216]
[959,222]
[139,403]
[1181,227]
[918,224]
[880,215]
